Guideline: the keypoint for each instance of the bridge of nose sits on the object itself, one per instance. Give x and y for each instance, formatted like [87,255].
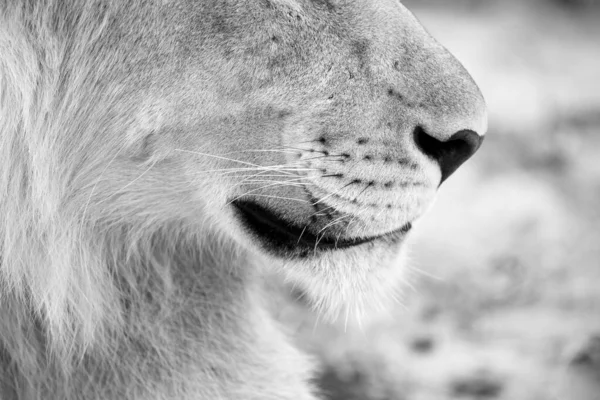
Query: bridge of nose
[418,78]
[446,99]
[438,89]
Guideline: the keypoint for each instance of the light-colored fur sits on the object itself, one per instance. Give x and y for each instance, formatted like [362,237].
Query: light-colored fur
[126,129]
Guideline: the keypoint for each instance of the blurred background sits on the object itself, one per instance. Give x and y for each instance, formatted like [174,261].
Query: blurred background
[504,296]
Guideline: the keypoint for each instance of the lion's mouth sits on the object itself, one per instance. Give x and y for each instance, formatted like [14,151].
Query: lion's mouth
[284,238]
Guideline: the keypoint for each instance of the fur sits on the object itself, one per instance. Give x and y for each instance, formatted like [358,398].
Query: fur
[123,272]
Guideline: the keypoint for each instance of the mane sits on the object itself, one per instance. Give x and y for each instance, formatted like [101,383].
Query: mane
[67,263]
[48,261]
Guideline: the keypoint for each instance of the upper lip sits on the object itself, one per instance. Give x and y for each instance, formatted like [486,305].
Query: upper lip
[281,236]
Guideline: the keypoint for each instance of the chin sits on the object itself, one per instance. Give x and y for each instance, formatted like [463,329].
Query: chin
[339,276]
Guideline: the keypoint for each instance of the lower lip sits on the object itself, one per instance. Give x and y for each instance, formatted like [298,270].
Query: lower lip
[284,240]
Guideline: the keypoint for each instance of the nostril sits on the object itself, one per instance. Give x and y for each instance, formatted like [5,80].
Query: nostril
[450,153]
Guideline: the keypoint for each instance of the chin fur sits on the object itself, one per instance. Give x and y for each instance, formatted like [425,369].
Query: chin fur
[349,285]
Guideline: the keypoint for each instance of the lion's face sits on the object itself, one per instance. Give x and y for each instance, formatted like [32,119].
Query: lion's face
[312,132]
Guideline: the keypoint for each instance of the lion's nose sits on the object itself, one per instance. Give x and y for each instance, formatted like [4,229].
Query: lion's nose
[449,152]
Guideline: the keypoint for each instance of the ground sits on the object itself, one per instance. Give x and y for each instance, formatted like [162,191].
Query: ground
[506,266]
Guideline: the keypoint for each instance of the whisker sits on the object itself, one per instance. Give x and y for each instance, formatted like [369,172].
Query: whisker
[317,319]
[231,170]
[285,179]
[283,183]
[425,273]
[269,184]
[299,149]
[282,198]
[328,154]
[310,159]
[346,319]
[218,157]
[262,151]
[308,141]
[317,244]
[283,170]
[301,233]
[259,175]
[361,192]
[268,196]
[332,194]
[319,212]
[334,222]
[231,159]
[410,285]
[272,184]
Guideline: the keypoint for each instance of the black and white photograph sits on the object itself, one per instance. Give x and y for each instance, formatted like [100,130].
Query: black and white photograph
[299,200]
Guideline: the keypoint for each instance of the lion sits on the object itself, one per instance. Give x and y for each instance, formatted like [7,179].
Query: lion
[160,158]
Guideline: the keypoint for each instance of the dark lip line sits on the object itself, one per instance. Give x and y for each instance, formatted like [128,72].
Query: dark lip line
[277,234]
